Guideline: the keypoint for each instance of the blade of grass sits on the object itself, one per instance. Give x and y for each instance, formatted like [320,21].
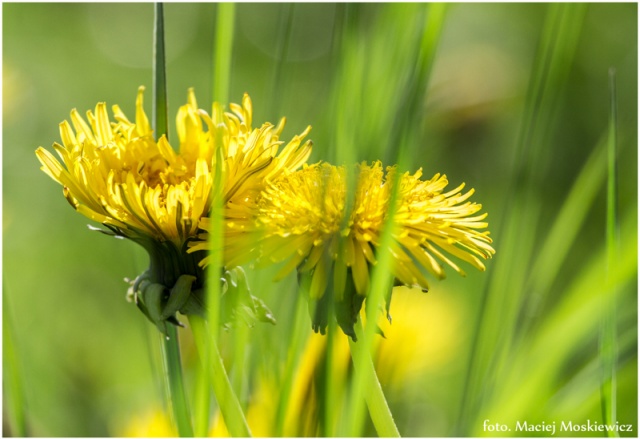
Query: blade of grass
[227,400]
[239,374]
[366,382]
[223,51]
[176,398]
[404,123]
[202,403]
[159,106]
[370,388]
[536,365]
[409,116]
[567,224]
[608,336]
[502,298]
[327,412]
[295,348]
[175,394]
[279,74]
[12,376]
[206,336]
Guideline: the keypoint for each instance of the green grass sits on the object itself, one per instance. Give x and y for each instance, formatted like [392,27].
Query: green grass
[12,376]
[608,335]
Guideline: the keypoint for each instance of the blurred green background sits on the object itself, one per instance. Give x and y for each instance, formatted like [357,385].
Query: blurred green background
[459,100]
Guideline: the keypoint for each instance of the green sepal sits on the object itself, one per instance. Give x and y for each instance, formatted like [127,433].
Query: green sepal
[319,309]
[152,296]
[195,304]
[348,309]
[179,295]
[388,306]
[236,301]
[144,310]
[262,311]
[109,232]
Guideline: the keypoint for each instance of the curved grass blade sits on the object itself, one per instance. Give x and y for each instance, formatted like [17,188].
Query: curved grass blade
[227,400]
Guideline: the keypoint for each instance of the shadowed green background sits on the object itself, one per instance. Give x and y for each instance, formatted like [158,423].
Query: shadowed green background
[87,358]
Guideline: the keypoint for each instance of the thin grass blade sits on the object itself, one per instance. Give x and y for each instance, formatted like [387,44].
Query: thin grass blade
[223,51]
[608,335]
[227,400]
[159,109]
[176,398]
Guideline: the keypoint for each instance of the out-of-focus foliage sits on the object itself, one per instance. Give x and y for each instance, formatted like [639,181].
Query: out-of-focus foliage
[89,362]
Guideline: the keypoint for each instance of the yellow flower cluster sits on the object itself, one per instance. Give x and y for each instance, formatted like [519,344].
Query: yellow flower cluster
[301,220]
[118,173]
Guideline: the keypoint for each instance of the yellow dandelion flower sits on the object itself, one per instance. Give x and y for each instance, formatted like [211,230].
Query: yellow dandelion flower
[300,221]
[116,173]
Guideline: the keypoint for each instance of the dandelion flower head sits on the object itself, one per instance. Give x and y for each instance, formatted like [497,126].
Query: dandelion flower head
[116,173]
[300,221]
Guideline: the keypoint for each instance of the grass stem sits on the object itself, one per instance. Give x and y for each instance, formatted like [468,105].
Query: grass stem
[223,48]
[608,336]
[227,400]
[372,390]
[172,367]
[176,398]
[159,109]
[202,403]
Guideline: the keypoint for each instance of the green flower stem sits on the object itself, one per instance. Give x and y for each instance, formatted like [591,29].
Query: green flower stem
[176,398]
[227,400]
[372,390]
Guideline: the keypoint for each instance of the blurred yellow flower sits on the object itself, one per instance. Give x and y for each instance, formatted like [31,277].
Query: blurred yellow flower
[152,423]
[300,220]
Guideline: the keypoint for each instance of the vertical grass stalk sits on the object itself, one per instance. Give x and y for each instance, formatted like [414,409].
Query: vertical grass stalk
[366,381]
[371,388]
[202,403]
[159,106]
[223,45]
[285,25]
[176,398]
[206,336]
[227,400]
[608,338]
[295,348]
